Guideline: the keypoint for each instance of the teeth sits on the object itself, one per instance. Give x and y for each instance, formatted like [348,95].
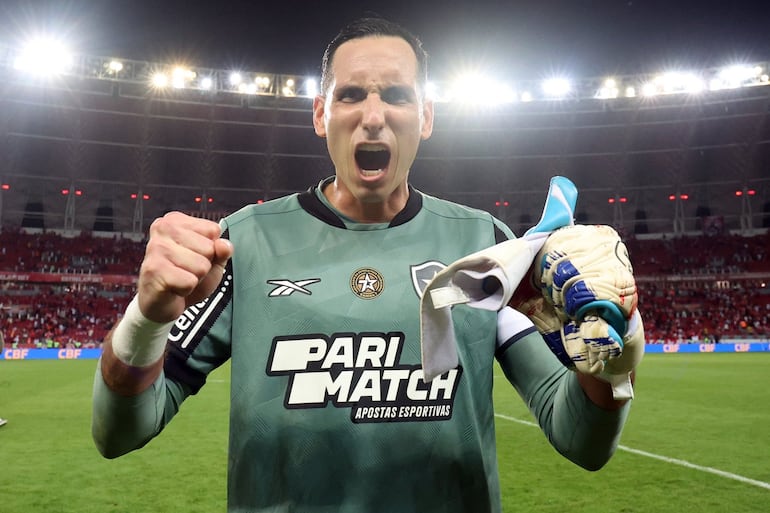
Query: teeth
[372,158]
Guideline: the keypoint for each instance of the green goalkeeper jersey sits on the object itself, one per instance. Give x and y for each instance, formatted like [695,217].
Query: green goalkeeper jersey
[329,412]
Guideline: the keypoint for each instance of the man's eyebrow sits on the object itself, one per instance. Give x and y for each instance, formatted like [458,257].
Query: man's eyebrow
[348,88]
[353,88]
[398,88]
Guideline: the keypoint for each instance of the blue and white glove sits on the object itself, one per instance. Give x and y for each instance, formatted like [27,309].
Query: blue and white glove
[587,311]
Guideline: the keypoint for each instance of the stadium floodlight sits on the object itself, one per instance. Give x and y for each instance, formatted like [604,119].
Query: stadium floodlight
[684,82]
[262,82]
[732,77]
[159,80]
[44,56]
[649,89]
[478,89]
[206,83]
[247,88]
[311,87]
[556,88]
[48,56]
[692,83]
[289,87]
[432,91]
[503,93]
[180,76]
[608,90]
[735,76]
[464,89]
[674,83]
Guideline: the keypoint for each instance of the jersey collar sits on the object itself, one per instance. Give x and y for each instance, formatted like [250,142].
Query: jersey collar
[311,203]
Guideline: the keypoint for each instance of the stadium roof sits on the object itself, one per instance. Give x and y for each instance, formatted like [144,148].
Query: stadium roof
[677,158]
[526,38]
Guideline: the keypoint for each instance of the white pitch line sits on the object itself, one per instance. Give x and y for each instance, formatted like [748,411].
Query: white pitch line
[675,461]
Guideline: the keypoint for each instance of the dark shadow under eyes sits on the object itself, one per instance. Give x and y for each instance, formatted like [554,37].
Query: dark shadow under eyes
[397,96]
[351,94]
[391,95]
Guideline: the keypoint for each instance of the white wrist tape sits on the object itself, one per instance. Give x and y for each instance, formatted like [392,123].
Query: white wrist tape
[137,341]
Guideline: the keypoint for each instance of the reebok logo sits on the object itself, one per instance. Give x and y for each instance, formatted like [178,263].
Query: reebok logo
[288,287]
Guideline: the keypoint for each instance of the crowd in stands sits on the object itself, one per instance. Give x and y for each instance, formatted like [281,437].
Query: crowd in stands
[50,252]
[703,288]
[40,309]
[58,315]
[699,255]
[705,314]
[697,289]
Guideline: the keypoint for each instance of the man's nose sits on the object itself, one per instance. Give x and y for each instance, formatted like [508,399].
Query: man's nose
[373,113]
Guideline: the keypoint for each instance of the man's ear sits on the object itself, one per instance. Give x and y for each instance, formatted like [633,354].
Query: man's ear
[319,111]
[427,119]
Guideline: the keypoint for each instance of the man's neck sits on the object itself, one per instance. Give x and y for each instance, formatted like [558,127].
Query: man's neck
[362,212]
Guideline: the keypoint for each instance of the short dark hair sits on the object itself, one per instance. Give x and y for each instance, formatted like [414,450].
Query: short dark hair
[369,27]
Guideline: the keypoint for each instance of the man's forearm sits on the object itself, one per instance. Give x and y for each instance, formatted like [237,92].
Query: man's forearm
[588,432]
[123,379]
[600,392]
[132,353]
[124,422]
[583,425]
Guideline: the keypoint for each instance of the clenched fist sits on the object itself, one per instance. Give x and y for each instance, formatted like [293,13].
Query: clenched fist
[183,263]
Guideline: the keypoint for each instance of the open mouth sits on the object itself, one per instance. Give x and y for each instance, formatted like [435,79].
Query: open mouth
[372,160]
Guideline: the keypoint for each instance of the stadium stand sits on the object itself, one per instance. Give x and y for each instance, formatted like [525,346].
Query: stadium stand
[105,153]
[60,291]
[704,288]
[59,316]
[88,159]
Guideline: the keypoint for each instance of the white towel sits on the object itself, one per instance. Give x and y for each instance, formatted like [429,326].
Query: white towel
[486,279]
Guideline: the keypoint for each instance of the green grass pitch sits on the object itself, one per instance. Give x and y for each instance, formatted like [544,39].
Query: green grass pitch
[698,440]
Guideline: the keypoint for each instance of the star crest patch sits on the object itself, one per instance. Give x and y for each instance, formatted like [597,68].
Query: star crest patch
[367,283]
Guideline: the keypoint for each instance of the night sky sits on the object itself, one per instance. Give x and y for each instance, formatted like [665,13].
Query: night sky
[516,39]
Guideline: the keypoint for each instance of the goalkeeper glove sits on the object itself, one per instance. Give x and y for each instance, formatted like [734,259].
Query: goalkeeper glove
[587,308]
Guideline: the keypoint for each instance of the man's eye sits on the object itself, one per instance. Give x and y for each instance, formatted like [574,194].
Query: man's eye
[350,95]
[397,96]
